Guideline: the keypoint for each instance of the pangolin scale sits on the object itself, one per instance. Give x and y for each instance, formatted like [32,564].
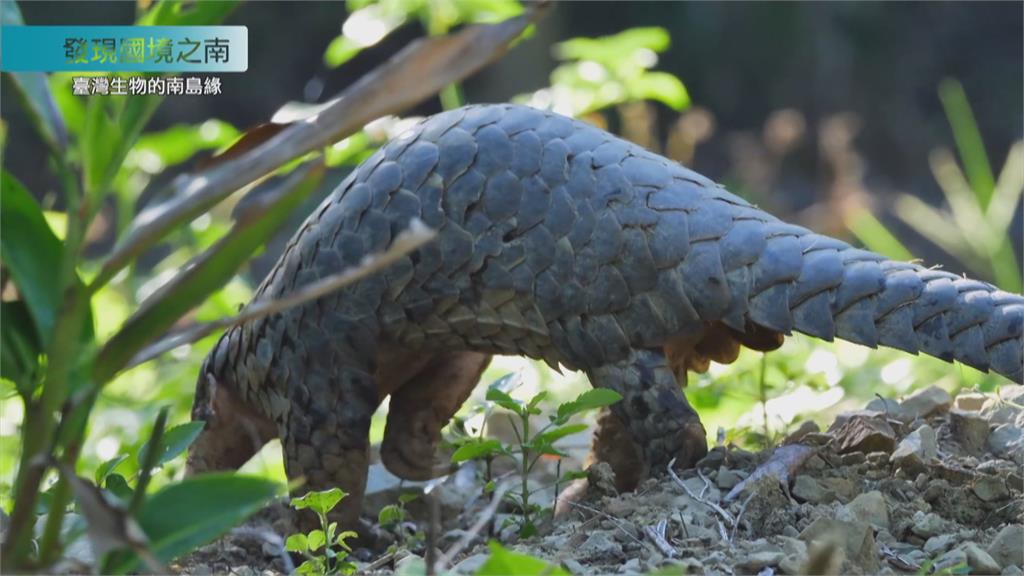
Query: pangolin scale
[557,241]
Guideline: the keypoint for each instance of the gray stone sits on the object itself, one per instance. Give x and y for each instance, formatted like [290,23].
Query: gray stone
[796,555]
[970,430]
[1012,570]
[939,543]
[471,564]
[872,508]
[864,433]
[990,488]
[574,567]
[950,559]
[924,403]
[727,478]
[755,562]
[916,449]
[407,564]
[1005,405]
[806,427]
[980,561]
[1007,441]
[927,525]
[1007,548]
[856,538]
[969,401]
[891,408]
[807,489]
[600,545]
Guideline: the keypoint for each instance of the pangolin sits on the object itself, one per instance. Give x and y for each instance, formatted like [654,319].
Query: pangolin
[561,242]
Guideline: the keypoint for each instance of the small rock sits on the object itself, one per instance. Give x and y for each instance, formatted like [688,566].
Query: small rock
[201,570]
[806,427]
[856,537]
[969,401]
[853,458]
[1004,406]
[863,433]
[939,543]
[927,525]
[727,478]
[601,479]
[796,555]
[714,459]
[756,561]
[471,564]
[408,563]
[1007,548]
[877,459]
[980,561]
[870,507]
[1012,570]
[926,402]
[632,566]
[969,429]
[1007,441]
[790,531]
[807,489]
[916,449]
[574,567]
[600,545]
[990,488]
[950,559]
[891,408]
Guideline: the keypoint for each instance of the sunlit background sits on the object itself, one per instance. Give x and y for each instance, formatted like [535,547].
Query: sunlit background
[864,121]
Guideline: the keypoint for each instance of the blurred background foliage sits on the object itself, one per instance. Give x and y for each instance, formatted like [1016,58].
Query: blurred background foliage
[841,117]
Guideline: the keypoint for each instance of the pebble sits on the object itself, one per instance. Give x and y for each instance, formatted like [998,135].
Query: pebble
[758,560]
[600,545]
[870,507]
[727,478]
[856,537]
[939,543]
[891,408]
[574,567]
[916,449]
[471,564]
[864,433]
[926,402]
[927,525]
[990,488]
[980,561]
[807,489]
[1007,441]
[950,559]
[1007,548]
[970,430]
[806,427]
[796,555]
[970,401]
[1012,570]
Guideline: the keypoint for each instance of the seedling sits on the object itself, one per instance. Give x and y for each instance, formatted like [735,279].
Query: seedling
[529,446]
[325,550]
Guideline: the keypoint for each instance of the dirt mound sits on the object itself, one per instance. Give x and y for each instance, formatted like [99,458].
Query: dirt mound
[930,483]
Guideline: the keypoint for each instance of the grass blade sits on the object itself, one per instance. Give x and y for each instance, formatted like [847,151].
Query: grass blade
[968,140]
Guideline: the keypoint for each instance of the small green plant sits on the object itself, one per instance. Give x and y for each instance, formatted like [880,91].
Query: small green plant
[529,446]
[326,551]
[393,516]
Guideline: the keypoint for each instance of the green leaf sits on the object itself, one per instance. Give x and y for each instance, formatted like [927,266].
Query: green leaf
[574,475]
[101,140]
[344,537]
[476,448]
[312,567]
[156,150]
[390,515]
[176,13]
[32,254]
[550,436]
[502,562]
[321,502]
[663,87]
[968,140]
[108,467]
[316,539]
[208,272]
[876,237]
[501,398]
[407,497]
[596,398]
[19,346]
[612,49]
[175,441]
[537,399]
[34,89]
[296,543]
[190,513]
[118,486]
[340,50]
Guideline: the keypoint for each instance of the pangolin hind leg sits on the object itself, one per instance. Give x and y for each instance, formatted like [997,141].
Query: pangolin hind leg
[655,413]
[424,405]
